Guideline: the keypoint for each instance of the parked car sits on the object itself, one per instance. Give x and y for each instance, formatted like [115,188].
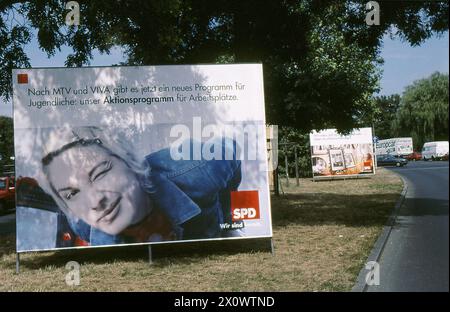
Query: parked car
[434,150]
[7,193]
[414,156]
[389,160]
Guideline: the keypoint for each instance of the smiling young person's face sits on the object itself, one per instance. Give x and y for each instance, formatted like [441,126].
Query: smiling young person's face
[98,188]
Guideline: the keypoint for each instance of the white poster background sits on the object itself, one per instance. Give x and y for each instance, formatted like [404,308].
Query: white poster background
[151,122]
[248,107]
[332,137]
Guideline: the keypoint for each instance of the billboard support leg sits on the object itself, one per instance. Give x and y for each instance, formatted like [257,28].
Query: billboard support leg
[287,167]
[281,187]
[17,263]
[272,250]
[150,256]
[296,166]
[276,183]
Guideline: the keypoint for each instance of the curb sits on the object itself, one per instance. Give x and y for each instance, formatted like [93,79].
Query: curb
[377,249]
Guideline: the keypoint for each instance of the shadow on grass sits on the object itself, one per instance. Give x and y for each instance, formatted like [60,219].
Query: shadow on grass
[177,252]
[338,178]
[298,209]
[330,208]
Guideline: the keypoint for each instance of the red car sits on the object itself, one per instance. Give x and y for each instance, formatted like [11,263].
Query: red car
[414,156]
[7,192]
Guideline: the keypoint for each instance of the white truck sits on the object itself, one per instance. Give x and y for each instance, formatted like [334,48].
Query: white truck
[435,150]
[395,147]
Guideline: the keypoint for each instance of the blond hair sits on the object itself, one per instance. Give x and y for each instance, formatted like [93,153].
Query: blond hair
[61,139]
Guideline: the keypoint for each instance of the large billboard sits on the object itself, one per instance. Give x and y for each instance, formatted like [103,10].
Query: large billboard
[394,146]
[333,154]
[139,155]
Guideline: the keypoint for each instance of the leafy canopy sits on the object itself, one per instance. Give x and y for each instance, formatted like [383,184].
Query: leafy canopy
[320,58]
[423,111]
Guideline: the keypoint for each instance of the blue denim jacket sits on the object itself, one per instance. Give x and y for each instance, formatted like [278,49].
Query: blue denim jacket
[193,194]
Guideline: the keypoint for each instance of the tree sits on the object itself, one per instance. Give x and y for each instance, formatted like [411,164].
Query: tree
[320,58]
[6,141]
[291,140]
[385,108]
[423,111]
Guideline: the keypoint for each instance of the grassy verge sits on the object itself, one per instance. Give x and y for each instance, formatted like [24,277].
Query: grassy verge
[323,233]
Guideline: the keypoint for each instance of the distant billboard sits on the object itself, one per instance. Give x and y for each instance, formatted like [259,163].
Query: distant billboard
[333,154]
[394,146]
[139,154]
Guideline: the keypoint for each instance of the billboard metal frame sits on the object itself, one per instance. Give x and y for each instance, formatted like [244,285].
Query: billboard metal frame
[150,244]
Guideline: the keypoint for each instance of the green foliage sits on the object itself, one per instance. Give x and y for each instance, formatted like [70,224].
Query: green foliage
[320,58]
[423,111]
[333,82]
[13,37]
[6,141]
[289,141]
[385,109]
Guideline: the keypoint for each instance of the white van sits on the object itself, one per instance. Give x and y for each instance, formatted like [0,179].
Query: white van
[434,150]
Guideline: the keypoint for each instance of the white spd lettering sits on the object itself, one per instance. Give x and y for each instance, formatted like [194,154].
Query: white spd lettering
[244,213]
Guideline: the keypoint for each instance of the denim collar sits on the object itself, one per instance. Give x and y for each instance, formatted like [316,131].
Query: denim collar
[169,198]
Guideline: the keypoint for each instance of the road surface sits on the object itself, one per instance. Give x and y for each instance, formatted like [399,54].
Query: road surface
[415,257]
[7,224]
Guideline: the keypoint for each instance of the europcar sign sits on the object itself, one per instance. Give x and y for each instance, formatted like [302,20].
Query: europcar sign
[139,155]
[395,146]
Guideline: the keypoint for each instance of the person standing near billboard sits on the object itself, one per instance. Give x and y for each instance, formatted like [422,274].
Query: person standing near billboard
[109,196]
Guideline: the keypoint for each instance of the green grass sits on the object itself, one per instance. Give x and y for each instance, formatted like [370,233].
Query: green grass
[323,233]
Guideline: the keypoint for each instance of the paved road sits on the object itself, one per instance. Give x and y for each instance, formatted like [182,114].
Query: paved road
[415,257]
[7,224]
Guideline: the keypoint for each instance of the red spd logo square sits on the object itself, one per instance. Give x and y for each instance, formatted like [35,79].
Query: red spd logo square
[244,205]
[22,78]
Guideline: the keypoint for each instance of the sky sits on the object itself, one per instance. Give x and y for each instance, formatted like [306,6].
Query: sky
[403,64]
